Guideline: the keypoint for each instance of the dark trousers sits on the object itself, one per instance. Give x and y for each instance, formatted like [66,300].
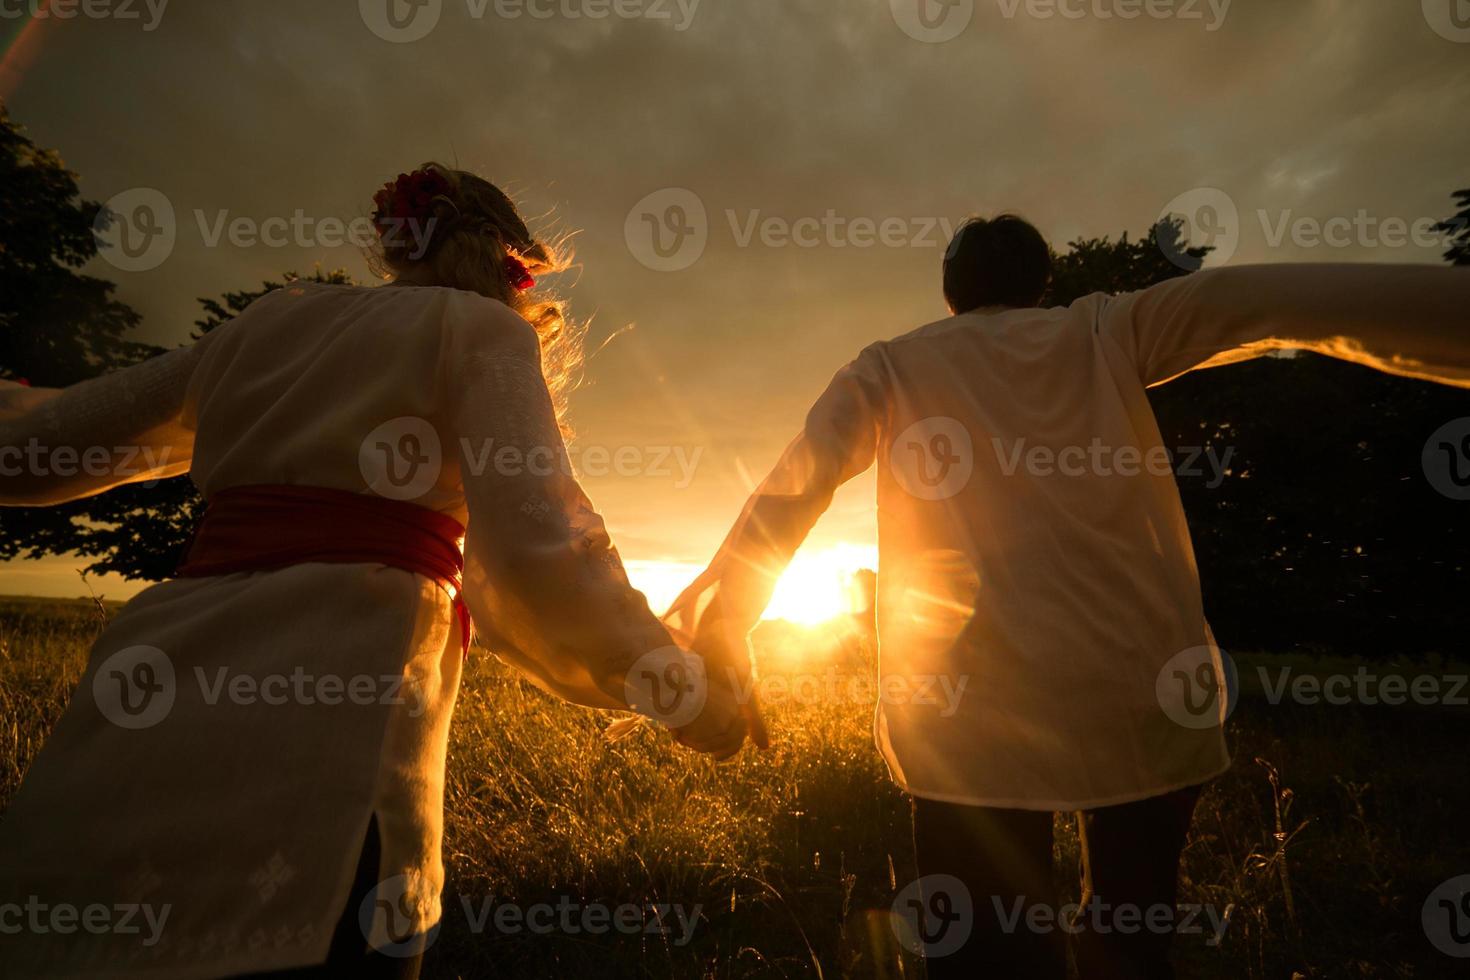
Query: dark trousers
[349,955]
[1002,858]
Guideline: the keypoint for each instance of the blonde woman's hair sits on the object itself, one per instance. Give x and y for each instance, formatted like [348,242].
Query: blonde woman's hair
[474,229]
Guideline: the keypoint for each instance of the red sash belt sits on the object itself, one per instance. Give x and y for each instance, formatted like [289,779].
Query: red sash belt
[257,529]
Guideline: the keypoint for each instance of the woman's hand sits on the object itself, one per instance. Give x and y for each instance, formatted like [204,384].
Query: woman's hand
[17,399]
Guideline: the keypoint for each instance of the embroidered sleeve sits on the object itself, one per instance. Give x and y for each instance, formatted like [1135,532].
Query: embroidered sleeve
[542,578]
[123,427]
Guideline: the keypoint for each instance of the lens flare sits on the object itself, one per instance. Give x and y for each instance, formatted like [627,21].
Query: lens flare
[818,586]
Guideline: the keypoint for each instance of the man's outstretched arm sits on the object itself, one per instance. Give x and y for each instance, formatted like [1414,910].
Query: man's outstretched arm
[1411,320]
[838,442]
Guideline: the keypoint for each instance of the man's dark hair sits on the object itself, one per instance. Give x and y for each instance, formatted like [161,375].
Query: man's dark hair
[1000,261]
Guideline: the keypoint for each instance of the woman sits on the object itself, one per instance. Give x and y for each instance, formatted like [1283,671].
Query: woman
[251,775]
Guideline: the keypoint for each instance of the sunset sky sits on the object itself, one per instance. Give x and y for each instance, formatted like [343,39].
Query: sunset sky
[830,118]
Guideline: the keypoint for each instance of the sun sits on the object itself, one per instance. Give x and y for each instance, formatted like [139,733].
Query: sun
[817,587]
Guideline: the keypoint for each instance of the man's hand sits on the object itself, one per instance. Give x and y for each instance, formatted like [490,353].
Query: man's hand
[725,649]
[720,728]
[726,653]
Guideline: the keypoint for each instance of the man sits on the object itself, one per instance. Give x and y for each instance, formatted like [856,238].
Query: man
[1033,548]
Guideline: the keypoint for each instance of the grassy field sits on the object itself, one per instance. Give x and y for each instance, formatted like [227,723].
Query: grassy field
[1321,844]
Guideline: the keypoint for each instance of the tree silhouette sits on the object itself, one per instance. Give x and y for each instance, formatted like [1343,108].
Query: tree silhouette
[1458,229]
[1101,265]
[57,326]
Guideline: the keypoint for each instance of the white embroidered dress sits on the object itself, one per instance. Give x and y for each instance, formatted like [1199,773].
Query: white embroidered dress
[1039,613]
[232,736]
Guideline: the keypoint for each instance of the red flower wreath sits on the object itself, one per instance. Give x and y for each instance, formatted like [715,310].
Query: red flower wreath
[411,198]
[517,274]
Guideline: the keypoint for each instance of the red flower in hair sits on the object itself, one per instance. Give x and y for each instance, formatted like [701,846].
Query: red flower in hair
[410,197]
[517,274]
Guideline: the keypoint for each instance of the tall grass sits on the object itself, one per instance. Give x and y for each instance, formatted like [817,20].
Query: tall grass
[1320,845]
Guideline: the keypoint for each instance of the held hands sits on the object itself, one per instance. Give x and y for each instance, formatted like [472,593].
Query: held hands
[726,653]
[674,687]
[705,698]
[720,727]
[721,707]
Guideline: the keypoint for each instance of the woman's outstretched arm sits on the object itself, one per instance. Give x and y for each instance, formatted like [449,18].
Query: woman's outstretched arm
[123,427]
[543,581]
